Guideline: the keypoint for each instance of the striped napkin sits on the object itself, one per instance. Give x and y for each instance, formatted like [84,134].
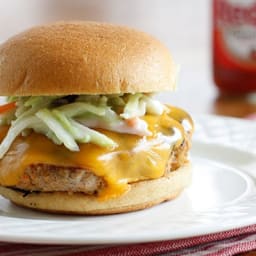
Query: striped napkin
[223,243]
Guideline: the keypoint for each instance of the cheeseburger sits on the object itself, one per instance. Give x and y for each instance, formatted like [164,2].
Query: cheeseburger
[81,131]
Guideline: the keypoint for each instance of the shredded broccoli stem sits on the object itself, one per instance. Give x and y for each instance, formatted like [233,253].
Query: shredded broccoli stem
[67,124]
[14,131]
[57,128]
[64,119]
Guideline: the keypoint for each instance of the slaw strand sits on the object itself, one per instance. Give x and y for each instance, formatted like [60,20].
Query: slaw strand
[95,136]
[66,122]
[57,128]
[79,108]
[37,105]
[14,131]
[132,107]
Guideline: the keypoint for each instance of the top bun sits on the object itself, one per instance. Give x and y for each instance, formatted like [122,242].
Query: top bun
[84,58]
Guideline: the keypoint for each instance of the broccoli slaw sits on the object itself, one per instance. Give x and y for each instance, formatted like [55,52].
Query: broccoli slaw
[70,120]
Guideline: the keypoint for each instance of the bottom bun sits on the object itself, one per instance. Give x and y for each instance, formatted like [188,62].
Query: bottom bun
[141,195]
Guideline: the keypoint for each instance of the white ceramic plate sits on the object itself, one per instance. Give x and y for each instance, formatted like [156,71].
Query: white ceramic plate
[222,196]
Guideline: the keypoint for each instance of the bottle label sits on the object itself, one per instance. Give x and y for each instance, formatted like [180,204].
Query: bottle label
[235,21]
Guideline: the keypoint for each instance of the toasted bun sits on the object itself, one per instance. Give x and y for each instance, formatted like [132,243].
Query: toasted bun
[84,58]
[141,195]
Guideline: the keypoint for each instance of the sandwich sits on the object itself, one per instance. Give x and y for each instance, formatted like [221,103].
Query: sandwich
[81,129]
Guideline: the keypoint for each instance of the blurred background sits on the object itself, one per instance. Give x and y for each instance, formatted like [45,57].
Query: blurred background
[184,26]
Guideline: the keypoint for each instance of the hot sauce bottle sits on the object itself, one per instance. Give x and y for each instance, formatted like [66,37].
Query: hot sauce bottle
[234,45]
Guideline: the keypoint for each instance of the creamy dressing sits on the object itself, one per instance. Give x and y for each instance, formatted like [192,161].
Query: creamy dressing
[139,126]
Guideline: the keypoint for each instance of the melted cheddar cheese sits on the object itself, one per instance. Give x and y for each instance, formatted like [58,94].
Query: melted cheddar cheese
[135,158]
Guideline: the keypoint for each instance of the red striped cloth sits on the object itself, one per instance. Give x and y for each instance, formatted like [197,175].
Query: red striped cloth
[223,243]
